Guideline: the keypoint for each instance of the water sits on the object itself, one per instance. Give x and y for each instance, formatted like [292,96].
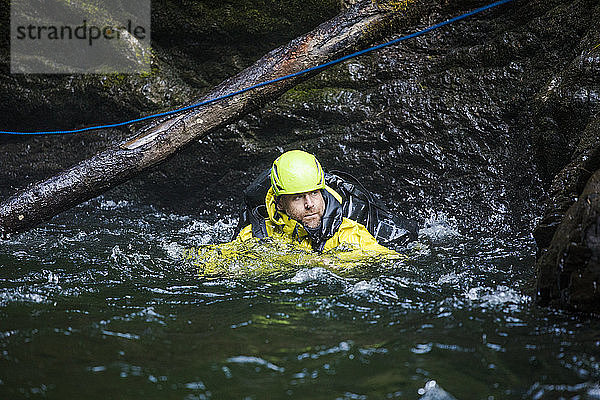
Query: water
[99,304]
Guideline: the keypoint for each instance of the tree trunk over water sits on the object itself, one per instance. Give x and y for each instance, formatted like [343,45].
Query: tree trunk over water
[358,27]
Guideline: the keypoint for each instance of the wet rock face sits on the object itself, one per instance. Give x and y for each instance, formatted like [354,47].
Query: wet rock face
[442,122]
[196,45]
[568,183]
[568,273]
[436,124]
[566,137]
[570,99]
[568,266]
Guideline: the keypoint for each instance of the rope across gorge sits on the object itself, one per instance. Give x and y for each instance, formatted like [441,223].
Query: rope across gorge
[272,81]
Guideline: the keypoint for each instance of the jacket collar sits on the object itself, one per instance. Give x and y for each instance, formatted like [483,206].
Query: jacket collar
[330,223]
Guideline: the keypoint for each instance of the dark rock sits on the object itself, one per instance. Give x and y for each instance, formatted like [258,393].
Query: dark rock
[568,184]
[196,45]
[568,271]
[567,142]
[436,123]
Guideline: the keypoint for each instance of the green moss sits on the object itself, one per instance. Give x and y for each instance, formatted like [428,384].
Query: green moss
[110,80]
[328,87]
[376,30]
[396,5]
[313,95]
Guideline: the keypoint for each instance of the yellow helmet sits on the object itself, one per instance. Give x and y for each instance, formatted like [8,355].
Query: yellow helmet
[296,171]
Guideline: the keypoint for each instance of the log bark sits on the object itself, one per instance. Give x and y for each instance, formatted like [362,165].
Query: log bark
[359,26]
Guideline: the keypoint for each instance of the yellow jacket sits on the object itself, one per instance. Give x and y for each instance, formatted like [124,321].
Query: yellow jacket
[339,230]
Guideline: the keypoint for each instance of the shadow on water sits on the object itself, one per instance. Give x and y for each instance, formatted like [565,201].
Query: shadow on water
[112,310]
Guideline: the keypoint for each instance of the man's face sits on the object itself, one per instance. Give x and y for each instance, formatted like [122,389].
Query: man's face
[307,207]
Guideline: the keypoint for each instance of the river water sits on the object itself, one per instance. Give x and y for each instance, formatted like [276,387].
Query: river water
[100,304]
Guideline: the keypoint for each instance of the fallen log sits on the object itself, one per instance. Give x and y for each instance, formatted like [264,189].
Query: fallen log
[361,25]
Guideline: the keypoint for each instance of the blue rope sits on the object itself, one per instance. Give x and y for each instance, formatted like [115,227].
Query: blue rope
[258,85]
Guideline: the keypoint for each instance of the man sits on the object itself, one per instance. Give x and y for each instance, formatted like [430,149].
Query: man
[301,208]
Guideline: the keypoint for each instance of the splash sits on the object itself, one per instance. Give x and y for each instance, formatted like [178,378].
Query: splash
[439,228]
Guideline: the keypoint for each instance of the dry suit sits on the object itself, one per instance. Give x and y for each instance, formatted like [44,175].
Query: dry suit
[334,230]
